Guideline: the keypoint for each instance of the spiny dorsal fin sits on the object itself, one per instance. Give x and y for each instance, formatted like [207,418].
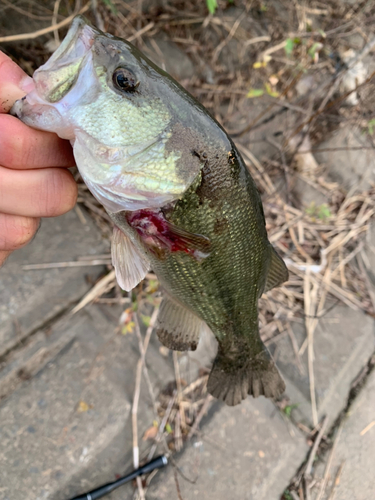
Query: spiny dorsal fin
[177,327]
[277,272]
[130,266]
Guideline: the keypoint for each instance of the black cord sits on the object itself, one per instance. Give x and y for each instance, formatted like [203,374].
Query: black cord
[100,492]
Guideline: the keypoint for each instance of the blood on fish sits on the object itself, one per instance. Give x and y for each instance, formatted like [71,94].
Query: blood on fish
[160,235]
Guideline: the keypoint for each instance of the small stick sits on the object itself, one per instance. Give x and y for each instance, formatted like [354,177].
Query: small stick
[329,464]
[54,21]
[58,265]
[135,425]
[179,388]
[315,447]
[141,362]
[44,31]
[337,481]
[200,415]
[143,348]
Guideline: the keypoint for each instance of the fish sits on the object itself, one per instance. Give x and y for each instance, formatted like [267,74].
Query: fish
[181,198]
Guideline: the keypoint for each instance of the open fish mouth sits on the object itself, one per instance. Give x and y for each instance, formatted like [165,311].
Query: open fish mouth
[44,105]
[55,78]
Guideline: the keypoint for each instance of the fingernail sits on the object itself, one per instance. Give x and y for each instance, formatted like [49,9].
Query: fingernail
[26,84]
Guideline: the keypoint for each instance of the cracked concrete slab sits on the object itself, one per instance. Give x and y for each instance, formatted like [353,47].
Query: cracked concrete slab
[248,452]
[343,342]
[67,427]
[28,299]
[355,451]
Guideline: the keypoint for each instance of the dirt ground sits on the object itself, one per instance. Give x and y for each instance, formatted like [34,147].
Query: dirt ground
[293,84]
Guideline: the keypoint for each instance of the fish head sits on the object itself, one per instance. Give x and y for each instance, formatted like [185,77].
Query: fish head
[119,111]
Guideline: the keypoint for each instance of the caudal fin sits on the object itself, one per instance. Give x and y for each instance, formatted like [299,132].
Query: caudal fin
[232,383]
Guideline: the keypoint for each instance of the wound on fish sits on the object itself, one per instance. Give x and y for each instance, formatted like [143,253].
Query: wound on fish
[162,237]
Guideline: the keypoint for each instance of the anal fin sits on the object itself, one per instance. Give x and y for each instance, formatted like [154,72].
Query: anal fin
[257,376]
[130,266]
[177,327]
[277,272]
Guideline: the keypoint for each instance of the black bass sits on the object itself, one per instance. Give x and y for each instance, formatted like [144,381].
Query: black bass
[182,200]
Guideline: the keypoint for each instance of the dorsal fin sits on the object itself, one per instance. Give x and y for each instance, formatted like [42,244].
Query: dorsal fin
[130,266]
[177,327]
[277,272]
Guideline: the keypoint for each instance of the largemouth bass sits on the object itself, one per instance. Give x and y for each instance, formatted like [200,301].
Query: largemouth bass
[179,193]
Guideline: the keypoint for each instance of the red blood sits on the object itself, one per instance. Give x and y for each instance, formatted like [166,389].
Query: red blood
[157,232]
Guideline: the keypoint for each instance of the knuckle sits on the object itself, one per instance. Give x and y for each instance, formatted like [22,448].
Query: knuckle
[60,193]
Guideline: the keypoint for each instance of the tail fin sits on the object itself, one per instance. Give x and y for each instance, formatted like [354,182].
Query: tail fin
[232,383]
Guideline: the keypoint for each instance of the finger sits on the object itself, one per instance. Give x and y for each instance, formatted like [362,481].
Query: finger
[14,83]
[3,256]
[37,193]
[24,147]
[16,232]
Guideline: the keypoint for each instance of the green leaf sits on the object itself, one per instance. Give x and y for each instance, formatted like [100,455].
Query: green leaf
[110,5]
[168,428]
[314,49]
[255,93]
[211,6]
[287,495]
[371,125]
[311,209]
[289,46]
[146,320]
[324,212]
[272,93]
[288,409]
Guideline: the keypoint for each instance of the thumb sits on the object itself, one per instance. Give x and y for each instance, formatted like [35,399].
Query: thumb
[14,83]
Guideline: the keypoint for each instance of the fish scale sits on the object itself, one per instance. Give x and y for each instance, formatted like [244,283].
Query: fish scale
[179,193]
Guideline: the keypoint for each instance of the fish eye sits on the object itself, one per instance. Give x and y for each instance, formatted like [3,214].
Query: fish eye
[124,80]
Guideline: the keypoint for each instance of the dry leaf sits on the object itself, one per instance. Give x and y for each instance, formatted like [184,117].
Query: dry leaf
[82,407]
[150,433]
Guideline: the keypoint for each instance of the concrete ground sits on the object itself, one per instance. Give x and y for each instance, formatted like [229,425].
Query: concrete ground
[67,382]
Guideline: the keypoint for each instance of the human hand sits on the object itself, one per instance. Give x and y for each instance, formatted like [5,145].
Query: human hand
[34,180]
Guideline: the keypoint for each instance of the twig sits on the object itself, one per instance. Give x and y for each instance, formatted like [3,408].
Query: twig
[143,348]
[336,481]
[54,21]
[141,32]
[200,415]
[162,427]
[140,365]
[177,484]
[58,265]
[309,311]
[314,449]
[137,391]
[44,31]
[329,464]
[179,387]
[104,285]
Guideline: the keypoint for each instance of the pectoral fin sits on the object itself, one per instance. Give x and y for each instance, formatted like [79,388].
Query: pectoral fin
[130,266]
[177,327]
[277,272]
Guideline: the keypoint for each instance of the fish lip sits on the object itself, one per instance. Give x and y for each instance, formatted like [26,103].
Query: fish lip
[77,42]
[72,52]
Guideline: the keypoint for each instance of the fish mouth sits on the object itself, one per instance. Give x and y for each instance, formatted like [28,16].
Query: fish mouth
[56,77]
[76,44]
